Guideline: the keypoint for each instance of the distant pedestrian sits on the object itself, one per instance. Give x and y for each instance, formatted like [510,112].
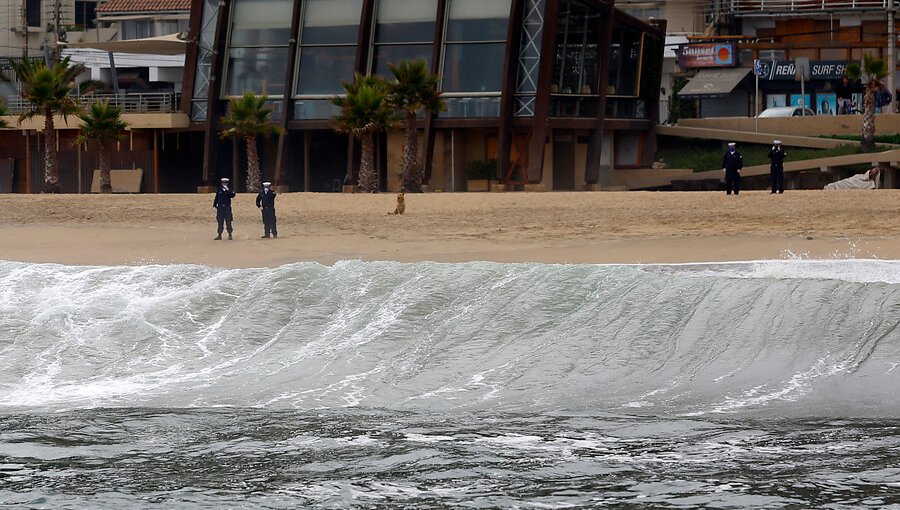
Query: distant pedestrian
[883,99]
[844,91]
[265,202]
[732,164]
[222,205]
[776,166]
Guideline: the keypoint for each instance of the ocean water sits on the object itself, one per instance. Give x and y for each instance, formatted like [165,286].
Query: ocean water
[769,384]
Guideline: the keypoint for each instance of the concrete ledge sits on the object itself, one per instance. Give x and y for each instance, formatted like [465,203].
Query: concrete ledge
[206,189]
[539,187]
[805,127]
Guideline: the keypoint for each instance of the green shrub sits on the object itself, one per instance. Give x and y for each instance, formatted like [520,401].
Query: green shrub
[481,169]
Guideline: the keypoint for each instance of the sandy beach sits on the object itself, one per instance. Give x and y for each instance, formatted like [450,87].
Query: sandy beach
[626,227]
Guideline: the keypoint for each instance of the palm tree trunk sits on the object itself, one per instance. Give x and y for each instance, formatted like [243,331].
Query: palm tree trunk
[868,124]
[105,181]
[51,175]
[254,181]
[368,181]
[411,179]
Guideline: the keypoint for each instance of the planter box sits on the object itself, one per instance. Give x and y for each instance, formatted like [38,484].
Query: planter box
[478,185]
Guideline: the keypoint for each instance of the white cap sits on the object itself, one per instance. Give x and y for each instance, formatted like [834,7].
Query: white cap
[267,184]
[225,179]
[777,142]
[731,144]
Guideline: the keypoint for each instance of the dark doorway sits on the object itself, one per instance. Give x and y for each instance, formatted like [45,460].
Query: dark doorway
[327,161]
[564,160]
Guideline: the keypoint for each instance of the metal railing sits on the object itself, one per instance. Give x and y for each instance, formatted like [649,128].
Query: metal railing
[751,6]
[132,102]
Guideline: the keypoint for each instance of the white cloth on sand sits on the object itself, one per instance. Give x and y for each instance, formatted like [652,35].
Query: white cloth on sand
[858,181]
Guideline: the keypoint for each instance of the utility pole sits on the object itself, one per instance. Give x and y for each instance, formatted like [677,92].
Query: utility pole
[59,31]
[891,56]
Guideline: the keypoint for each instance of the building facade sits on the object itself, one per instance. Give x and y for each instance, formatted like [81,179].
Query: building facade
[559,92]
[830,34]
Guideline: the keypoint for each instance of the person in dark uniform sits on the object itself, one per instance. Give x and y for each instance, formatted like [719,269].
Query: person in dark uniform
[732,164]
[222,205]
[776,166]
[265,202]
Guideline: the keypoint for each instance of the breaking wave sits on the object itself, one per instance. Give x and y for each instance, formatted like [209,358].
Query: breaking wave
[780,337]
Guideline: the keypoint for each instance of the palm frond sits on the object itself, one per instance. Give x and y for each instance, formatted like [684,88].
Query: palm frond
[249,115]
[102,123]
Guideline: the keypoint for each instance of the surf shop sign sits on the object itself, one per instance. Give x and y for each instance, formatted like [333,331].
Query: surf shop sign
[784,69]
[706,55]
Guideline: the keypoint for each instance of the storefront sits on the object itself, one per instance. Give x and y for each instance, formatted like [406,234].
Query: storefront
[778,87]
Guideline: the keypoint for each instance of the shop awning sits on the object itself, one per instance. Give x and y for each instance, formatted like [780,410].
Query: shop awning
[710,83]
[163,45]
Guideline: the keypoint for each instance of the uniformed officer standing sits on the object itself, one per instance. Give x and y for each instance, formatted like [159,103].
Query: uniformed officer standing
[265,202]
[732,164]
[222,205]
[776,167]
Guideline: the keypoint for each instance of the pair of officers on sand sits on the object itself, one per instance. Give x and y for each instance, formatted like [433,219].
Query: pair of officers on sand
[733,162]
[265,202]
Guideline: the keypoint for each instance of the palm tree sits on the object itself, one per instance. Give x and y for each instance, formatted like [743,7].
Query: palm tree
[249,117]
[413,88]
[103,124]
[365,112]
[47,91]
[873,69]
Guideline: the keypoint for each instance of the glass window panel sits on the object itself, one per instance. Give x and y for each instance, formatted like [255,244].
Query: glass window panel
[625,54]
[323,67]
[385,55]
[405,21]
[577,65]
[471,107]
[135,29]
[331,21]
[261,22]
[311,109]
[258,70]
[473,67]
[478,20]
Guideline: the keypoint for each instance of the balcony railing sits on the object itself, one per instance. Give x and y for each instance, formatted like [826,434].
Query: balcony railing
[140,102]
[782,6]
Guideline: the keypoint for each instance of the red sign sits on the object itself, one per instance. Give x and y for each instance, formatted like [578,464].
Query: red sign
[707,55]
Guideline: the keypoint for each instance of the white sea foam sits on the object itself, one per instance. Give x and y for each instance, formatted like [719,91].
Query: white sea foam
[681,339]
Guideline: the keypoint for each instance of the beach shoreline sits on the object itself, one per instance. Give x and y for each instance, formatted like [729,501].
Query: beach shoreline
[576,228]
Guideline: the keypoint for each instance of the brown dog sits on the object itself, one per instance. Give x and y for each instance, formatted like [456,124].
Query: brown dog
[401,204]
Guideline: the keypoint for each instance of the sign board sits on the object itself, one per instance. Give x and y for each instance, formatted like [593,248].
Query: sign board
[801,69]
[707,55]
[785,70]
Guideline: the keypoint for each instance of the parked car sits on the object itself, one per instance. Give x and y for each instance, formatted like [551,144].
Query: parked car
[783,111]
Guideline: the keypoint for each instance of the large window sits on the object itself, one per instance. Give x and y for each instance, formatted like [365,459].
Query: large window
[327,46]
[475,45]
[576,68]
[85,14]
[625,58]
[327,56]
[404,30]
[32,13]
[136,29]
[258,47]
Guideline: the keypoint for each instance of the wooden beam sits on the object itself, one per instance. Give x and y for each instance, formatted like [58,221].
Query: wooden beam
[428,153]
[191,55]
[287,102]
[508,85]
[155,161]
[595,143]
[211,135]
